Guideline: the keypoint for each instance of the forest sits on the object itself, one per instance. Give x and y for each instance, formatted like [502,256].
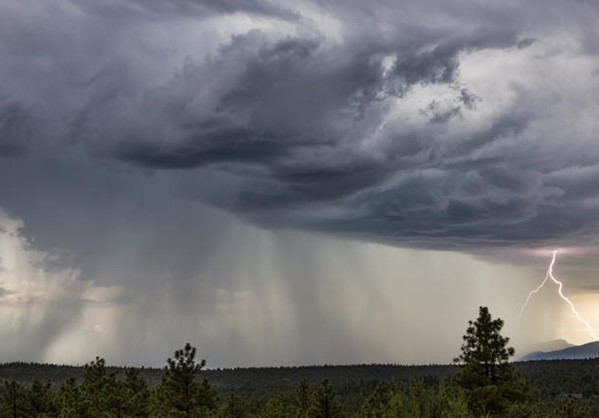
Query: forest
[482,382]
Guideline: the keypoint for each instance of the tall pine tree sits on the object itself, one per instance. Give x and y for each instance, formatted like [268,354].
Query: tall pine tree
[179,391]
[486,373]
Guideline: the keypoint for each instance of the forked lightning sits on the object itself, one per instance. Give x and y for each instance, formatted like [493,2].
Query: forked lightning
[560,286]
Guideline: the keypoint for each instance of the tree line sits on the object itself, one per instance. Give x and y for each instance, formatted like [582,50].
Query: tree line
[486,384]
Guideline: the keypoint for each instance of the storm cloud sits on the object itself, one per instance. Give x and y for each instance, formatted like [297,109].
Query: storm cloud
[411,125]
[130,132]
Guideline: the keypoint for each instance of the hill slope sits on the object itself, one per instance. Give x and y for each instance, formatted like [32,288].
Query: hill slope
[577,352]
[552,345]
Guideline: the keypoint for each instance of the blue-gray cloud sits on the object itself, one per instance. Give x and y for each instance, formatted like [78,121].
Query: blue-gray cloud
[369,131]
[453,124]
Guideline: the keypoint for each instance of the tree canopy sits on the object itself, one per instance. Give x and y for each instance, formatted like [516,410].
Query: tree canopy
[486,373]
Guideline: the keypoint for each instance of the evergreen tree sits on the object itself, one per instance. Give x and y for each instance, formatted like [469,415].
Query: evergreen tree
[136,394]
[569,408]
[275,408]
[100,390]
[325,403]
[179,391]
[451,402]
[485,351]
[234,407]
[40,399]
[486,373]
[377,403]
[70,400]
[12,400]
[207,397]
[413,400]
[301,399]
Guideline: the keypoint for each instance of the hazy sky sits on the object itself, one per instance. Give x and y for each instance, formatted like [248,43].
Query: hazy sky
[293,182]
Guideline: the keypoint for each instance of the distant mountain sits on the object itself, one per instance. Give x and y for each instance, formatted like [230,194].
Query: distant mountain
[576,352]
[544,347]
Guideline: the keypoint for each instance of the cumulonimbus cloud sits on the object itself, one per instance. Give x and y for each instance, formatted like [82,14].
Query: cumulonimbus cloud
[420,124]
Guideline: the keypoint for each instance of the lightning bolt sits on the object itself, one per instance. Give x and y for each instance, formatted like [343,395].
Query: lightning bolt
[560,285]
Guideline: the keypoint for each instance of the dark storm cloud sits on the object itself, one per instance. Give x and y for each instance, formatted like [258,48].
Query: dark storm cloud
[215,147]
[17,125]
[161,8]
[285,108]
[454,124]
[294,123]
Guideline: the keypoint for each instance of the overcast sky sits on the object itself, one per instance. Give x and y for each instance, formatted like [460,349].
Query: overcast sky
[293,182]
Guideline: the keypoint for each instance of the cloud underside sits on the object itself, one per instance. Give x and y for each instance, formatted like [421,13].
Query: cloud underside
[422,125]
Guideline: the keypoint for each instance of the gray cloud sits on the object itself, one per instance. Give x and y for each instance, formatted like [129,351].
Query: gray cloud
[17,125]
[455,125]
[5,292]
[159,9]
[302,126]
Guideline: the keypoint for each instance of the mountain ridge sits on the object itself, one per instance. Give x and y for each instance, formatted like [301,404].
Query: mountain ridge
[574,352]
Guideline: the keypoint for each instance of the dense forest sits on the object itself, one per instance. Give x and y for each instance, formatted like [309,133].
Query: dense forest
[481,382]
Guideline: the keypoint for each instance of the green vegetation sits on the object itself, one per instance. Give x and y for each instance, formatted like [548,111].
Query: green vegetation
[482,383]
[488,379]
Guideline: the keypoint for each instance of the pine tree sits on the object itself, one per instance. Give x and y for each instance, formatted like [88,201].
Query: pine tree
[40,399]
[275,408]
[485,351]
[179,391]
[100,389]
[207,396]
[486,373]
[70,400]
[135,394]
[12,400]
[234,407]
[377,403]
[325,403]
[301,399]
